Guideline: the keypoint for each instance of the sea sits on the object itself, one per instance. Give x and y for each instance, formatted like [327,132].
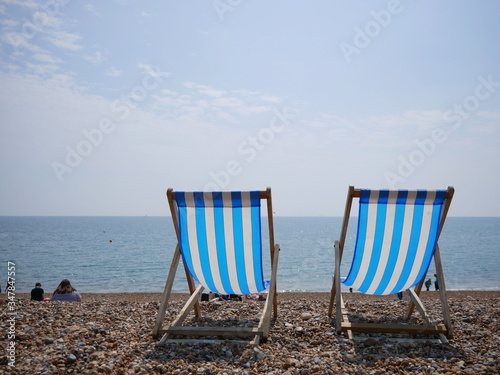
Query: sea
[133,254]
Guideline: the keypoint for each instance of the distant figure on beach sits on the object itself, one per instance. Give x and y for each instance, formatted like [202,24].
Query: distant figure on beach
[65,292]
[255,296]
[350,290]
[436,283]
[37,293]
[228,297]
[400,295]
[428,284]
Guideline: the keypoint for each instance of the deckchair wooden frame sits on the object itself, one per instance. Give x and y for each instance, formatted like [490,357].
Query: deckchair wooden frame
[429,327]
[259,333]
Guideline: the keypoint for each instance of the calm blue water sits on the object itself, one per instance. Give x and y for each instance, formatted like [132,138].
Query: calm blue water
[49,249]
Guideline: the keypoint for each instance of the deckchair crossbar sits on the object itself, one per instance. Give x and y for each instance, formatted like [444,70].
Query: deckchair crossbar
[394,328]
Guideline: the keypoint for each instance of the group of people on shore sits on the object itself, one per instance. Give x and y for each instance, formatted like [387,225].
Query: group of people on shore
[63,292]
[66,292]
[428,283]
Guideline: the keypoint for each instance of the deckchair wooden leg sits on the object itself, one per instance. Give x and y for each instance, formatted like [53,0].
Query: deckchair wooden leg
[265,320]
[442,293]
[345,318]
[192,289]
[420,307]
[339,246]
[332,298]
[274,248]
[411,306]
[334,279]
[191,302]
[423,312]
[275,257]
[338,294]
[166,293]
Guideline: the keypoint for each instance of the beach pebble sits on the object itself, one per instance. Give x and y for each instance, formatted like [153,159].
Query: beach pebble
[306,316]
[259,355]
[112,335]
[48,340]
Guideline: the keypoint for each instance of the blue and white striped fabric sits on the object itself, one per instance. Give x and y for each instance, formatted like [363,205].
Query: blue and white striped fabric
[220,240]
[397,235]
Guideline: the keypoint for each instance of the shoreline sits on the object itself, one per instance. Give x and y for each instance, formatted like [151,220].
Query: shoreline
[285,296]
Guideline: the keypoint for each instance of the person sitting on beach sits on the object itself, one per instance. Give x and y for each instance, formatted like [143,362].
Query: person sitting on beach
[227,297]
[255,296]
[65,292]
[37,292]
[428,284]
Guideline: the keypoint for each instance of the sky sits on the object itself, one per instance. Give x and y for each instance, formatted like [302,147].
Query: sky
[106,104]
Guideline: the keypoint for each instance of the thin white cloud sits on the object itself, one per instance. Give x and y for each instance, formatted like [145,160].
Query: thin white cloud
[11,67]
[495,115]
[91,8]
[317,124]
[168,92]
[18,40]
[207,90]
[253,110]
[153,71]
[211,103]
[191,113]
[245,92]
[203,103]
[225,116]
[9,24]
[113,72]
[169,101]
[97,58]
[484,129]
[46,58]
[391,131]
[227,102]
[23,3]
[44,19]
[42,68]
[271,99]
[65,40]
[211,92]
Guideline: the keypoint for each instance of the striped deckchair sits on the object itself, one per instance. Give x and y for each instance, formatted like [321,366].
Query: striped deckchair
[396,240]
[220,240]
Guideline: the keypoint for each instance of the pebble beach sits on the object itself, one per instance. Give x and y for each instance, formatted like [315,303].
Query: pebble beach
[112,334]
